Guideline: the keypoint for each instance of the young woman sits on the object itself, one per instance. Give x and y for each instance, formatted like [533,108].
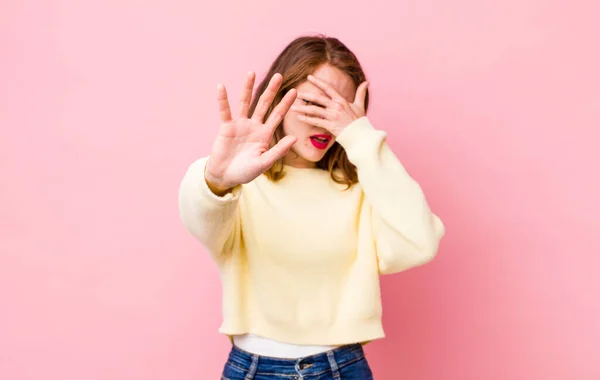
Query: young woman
[302,205]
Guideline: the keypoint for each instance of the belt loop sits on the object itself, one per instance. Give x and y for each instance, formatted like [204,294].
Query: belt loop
[253,367]
[334,365]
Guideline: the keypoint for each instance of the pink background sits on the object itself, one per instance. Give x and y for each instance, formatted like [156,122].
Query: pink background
[493,106]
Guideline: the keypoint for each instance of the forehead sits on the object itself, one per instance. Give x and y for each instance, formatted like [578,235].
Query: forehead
[334,77]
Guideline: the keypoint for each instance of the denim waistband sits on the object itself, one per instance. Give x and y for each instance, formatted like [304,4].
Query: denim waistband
[308,366]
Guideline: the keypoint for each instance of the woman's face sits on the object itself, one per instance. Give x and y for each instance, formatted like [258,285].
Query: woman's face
[313,142]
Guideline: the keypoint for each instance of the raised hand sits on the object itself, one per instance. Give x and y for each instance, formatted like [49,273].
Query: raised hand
[331,112]
[241,151]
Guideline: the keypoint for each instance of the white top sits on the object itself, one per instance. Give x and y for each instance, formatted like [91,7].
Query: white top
[268,347]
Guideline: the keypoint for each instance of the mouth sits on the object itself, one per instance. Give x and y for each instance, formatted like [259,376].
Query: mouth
[320,141]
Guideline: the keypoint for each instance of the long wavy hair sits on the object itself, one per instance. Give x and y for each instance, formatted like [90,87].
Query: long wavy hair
[299,59]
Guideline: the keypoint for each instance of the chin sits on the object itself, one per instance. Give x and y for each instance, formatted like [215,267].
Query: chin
[313,155]
[309,153]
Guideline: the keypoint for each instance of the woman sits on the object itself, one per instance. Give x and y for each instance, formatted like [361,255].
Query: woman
[302,205]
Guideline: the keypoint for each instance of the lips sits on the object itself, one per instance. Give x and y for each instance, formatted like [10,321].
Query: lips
[320,141]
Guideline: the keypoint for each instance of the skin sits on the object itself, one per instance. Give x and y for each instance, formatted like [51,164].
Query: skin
[241,152]
[303,154]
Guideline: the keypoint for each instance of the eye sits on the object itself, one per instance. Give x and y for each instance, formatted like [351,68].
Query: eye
[309,103]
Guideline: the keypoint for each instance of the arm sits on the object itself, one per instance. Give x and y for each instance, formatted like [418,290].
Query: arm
[211,219]
[407,233]
[240,153]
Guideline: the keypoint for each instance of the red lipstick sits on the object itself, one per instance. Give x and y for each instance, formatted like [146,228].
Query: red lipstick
[320,141]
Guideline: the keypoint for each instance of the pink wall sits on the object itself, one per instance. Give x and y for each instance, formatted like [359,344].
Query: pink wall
[494,106]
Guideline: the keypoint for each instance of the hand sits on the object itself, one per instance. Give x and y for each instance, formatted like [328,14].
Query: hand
[332,112]
[241,151]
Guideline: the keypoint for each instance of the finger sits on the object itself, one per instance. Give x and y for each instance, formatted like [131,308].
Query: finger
[361,95]
[318,122]
[246,96]
[281,109]
[313,111]
[266,98]
[280,149]
[316,98]
[330,91]
[224,108]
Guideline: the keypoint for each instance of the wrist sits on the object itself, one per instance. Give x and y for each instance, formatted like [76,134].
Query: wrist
[217,190]
[217,187]
[340,128]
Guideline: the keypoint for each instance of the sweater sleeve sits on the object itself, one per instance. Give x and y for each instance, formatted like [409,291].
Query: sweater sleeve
[406,232]
[213,220]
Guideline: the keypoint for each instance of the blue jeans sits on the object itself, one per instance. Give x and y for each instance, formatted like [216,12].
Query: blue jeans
[343,363]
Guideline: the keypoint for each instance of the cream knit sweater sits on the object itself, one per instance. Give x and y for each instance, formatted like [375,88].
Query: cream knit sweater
[300,258]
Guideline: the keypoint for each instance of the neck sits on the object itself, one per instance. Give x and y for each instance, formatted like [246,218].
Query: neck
[294,160]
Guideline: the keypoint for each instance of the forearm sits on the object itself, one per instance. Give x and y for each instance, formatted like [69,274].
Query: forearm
[407,232]
[207,211]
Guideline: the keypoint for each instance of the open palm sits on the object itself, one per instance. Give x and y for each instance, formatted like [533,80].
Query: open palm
[241,151]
